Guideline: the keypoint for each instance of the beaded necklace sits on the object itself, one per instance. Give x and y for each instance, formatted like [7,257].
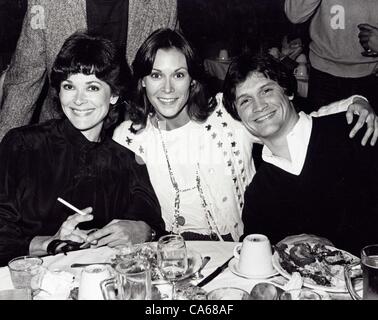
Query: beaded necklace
[179,220]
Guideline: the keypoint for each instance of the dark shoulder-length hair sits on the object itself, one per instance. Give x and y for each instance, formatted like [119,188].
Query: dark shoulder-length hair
[246,64]
[199,103]
[90,54]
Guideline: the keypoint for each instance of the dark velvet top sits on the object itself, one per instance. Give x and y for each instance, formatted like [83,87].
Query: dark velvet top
[40,163]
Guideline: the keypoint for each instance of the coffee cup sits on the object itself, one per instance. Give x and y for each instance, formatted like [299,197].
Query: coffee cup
[368,268]
[90,280]
[254,256]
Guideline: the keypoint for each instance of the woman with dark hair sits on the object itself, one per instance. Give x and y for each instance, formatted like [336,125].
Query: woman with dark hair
[75,159]
[191,147]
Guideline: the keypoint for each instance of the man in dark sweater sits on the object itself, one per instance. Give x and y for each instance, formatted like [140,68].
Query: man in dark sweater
[314,179]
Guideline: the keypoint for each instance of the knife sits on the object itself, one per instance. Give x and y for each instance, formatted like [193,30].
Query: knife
[215,273]
[82,265]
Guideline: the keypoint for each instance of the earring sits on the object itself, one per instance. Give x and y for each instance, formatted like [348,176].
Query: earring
[113,99]
[143,84]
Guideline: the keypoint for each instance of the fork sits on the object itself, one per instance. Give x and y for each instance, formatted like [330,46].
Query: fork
[198,275]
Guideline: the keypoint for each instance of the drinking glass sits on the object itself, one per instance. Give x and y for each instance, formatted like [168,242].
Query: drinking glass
[368,270]
[228,293]
[24,271]
[172,259]
[132,281]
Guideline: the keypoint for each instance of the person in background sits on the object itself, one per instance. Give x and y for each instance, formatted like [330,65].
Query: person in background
[198,157]
[368,37]
[75,158]
[46,26]
[338,69]
[314,179]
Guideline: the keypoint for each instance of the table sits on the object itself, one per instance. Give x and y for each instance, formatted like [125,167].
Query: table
[218,251]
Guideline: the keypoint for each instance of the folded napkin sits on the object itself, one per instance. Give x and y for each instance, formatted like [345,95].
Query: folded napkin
[56,285]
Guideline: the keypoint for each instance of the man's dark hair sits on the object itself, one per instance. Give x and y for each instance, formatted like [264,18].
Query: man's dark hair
[244,65]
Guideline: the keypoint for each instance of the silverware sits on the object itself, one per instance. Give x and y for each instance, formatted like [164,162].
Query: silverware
[82,265]
[198,275]
[215,273]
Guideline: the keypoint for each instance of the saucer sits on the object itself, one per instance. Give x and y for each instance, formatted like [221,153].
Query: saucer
[234,269]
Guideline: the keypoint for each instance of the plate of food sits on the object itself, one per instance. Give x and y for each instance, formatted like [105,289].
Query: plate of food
[148,251]
[321,266]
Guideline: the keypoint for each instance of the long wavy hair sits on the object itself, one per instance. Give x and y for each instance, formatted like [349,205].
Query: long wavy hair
[199,104]
[90,54]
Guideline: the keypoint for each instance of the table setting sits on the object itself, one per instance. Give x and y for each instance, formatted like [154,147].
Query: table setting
[174,269]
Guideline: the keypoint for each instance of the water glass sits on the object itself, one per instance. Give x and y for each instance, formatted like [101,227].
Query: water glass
[131,282]
[24,270]
[172,259]
[228,293]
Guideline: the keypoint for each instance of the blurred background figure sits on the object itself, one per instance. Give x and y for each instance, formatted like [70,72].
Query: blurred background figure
[369,38]
[338,69]
[11,15]
[45,27]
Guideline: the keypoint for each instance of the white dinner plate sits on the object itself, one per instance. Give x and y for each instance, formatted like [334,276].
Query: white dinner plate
[339,289]
[233,265]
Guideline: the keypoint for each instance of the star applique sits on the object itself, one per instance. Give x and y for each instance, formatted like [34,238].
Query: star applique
[229,134]
[225,153]
[219,113]
[128,140]
[214,135]
[239,196]
[132,130]
[141,150]
[243,179]
[234,180]
[220,144]
[208,127]
[237,153]
[240,161]
[229,163]
[233,144]
[242,170]
[224,124]
[241,204]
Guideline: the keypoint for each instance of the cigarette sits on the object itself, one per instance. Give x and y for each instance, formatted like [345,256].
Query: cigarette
[69,205]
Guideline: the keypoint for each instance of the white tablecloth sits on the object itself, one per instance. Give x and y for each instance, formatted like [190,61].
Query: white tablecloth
[218,251]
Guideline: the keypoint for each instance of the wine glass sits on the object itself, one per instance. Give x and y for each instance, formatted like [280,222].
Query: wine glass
[172,259]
